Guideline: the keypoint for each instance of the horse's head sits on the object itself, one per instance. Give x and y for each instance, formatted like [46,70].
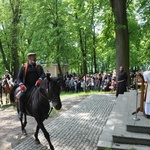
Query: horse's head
[5,81]
[53,88]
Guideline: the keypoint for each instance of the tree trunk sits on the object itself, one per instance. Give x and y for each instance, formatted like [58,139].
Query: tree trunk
[122,35]
[59,68]
[16,12]
[3,56]
[94,53]
[15,61]
[82,47]
[58,32]
[83,52]
[93,39]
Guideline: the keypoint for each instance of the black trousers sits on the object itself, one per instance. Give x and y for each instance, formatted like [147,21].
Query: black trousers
[24,98]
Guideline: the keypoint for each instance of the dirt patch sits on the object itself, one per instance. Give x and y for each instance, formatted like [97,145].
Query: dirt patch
[10,127]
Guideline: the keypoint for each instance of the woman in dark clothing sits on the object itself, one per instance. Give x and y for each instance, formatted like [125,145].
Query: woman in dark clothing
[122,80]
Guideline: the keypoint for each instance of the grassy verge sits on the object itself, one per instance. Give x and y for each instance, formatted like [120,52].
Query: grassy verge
[71,94]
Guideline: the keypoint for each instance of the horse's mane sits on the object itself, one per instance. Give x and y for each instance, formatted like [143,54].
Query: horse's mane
[44,83]
[40,103]
[37,92]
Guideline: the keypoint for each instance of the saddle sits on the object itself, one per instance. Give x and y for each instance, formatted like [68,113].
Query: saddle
[27,101]
[15,97]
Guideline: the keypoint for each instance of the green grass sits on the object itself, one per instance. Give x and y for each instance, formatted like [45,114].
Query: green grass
[69,94]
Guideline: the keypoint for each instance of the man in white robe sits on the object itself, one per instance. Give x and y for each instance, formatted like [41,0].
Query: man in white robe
[146,76]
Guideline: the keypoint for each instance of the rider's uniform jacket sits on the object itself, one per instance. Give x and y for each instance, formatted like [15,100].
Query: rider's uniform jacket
[29,74]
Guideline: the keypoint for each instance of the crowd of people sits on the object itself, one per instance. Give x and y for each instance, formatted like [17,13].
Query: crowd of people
[95,82]
[89,82]
[81,83]
[107,82]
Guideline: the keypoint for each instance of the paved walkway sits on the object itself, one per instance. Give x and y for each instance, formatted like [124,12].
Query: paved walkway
[124,131]
[79,128]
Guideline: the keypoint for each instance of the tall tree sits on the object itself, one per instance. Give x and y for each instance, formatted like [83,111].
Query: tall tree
[16,14]
[122,35]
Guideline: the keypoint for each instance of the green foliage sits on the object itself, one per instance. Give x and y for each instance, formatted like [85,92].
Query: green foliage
[139,41]
[51,29]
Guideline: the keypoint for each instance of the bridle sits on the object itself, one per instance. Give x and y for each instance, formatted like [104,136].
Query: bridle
[50,101]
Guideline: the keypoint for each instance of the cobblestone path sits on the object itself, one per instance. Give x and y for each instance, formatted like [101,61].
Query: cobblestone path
[79,128]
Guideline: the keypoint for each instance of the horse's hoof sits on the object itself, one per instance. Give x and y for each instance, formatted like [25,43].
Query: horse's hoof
[24,133]
[37,141]
[52,147]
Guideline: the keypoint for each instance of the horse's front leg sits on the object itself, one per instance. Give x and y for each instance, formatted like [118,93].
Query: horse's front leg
[6,99]
[1,101]
[23,124]
[36,135]
[25,120]
[46,134]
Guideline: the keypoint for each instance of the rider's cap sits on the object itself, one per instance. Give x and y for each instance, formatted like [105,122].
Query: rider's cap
[31,54]
[6,70]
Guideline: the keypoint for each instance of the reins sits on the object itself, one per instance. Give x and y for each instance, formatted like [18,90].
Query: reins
[49,100]
[48,90]
[47,97]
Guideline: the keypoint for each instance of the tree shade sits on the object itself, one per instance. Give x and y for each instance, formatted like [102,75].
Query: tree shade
[79,33]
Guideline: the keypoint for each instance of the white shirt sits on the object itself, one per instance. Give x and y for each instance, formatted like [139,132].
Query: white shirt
[146,76]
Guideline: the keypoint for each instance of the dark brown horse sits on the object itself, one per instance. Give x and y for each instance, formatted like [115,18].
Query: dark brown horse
[38,104]
[7,88]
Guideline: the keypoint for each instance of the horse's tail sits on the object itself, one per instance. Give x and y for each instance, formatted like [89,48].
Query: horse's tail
[12,93]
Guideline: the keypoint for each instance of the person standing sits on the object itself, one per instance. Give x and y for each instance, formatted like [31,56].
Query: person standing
[30,74]
[100,81]
[122,80]
[146,76]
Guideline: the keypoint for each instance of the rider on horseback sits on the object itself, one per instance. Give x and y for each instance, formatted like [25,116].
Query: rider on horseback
[30,74]
[7,75]
[9,78]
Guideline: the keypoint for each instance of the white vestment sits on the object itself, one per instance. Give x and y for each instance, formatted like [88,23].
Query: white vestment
[146,76]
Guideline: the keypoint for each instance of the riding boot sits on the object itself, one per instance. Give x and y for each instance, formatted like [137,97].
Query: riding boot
[22,104]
